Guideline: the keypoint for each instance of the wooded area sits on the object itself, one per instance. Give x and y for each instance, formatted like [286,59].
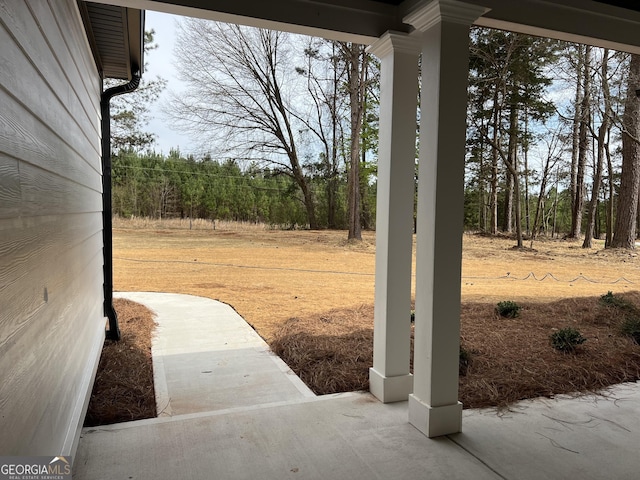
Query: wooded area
[157,186]
[290,124]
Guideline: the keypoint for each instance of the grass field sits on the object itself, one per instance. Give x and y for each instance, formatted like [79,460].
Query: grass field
[269,276]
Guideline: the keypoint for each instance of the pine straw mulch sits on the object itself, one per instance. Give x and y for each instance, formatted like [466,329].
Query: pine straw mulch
[509,359]
[123,389]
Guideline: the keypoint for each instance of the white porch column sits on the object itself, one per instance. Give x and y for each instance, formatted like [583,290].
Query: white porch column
[433,407]
[390,379]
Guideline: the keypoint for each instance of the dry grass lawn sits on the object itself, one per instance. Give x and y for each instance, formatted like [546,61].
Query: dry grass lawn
[310,295]
[269,276]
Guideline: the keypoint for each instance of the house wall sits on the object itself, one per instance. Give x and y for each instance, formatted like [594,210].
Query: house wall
[51,299]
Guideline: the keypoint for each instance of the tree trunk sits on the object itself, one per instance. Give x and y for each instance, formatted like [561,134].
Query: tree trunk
[602,136]
[575,133]
[494,166]
[518,205]
[493,194]
[482,212]
[513,161]
[555,204]
[307,198]
[512,195]
[510,161]
[583,147]
[610,209]
[507,219]
[331,203]
[364,190]
[332,156]
[597,182]
[356,88]
[527,213]
[625,227]
[539,216]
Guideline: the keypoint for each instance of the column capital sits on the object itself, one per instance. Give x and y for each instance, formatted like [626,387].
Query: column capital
[395,42]
[437,11]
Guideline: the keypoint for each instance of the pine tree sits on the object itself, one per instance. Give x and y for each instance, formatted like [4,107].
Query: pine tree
[507,83]
[624,235]
[129,113]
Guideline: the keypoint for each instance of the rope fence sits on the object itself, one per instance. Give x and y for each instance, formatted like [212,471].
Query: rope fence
[549,275]
[508,276]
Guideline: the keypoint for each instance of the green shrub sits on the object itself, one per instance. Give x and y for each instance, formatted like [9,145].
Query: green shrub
[631,328]
[508,309]
[611,300]
[463,363]
[567,339]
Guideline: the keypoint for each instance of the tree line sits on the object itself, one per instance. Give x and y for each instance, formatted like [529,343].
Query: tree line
[178,186]
[552,139]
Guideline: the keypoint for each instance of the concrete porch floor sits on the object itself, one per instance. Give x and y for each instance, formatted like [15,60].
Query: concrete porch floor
[353,436]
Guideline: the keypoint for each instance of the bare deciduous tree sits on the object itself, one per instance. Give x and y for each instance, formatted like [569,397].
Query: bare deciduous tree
[602,145]
[325,74]
[356,59]
[240,97]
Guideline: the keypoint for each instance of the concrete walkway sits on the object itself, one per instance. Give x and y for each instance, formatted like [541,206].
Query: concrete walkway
[207,358]
[348,436]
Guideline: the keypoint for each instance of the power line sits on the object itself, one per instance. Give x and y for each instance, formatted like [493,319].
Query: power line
[210,175]
[314,188]
[256,267]
[186,172]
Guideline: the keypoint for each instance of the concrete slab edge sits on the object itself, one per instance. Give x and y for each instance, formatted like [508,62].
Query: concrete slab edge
[292,376]
[214,413]
[163,400]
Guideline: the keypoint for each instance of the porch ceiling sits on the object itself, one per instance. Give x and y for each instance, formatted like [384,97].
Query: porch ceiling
[622,3]
[116,35]
[610,23]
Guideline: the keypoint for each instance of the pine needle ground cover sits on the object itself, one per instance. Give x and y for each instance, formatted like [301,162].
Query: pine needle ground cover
[507,359]
[123,390]
[310,295]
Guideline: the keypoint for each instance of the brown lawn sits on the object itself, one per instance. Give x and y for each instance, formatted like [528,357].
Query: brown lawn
[269,276]
[310,295]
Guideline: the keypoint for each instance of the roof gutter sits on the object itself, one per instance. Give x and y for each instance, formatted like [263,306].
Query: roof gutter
[113,333]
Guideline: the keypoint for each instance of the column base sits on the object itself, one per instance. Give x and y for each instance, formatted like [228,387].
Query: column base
[435,421]
[390,389]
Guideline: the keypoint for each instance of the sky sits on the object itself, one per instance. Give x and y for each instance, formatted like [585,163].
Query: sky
[160,63]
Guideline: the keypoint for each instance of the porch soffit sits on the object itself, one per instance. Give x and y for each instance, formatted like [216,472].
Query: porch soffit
[116,36]
[607,23]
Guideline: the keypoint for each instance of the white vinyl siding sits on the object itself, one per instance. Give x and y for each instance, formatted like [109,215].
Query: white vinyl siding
[51,300]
